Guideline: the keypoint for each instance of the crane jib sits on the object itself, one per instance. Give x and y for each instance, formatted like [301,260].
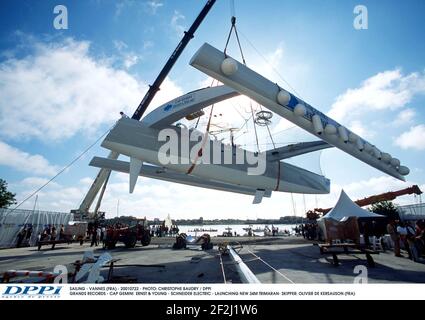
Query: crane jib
[155,87]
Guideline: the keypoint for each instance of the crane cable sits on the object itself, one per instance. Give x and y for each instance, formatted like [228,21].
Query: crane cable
[233,29]
[62,170]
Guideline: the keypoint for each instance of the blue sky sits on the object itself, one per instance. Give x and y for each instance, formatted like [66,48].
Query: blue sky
[61,89]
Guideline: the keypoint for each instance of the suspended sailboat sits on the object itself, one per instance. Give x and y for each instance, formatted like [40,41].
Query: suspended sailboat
[143,141]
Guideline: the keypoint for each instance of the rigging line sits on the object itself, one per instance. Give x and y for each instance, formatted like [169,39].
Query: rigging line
[255,127]
[238,112]
[240,129]
[293,205]
[205,139]
[222,269]
[268,129]
[197,123]
[305,209]
[233,28]
[62,170]
[270,266]
[239,44]
[265,60]
[232,8]
[199,119]
[229,36]
[270,135]
[284,130]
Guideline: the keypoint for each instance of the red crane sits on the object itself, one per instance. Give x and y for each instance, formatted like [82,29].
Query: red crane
[387,196]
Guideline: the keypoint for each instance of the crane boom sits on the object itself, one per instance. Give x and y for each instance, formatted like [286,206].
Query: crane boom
[387,196]
[188,35]
[103,174]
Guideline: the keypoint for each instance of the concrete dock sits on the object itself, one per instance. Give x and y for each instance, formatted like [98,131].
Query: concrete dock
[272,260]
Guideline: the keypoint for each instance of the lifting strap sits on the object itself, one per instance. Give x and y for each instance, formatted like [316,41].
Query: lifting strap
[235,30]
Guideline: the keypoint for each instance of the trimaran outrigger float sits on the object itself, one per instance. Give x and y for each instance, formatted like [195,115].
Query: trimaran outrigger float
[139,139]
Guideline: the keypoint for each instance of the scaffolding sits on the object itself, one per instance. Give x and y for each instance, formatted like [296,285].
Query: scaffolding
[412,211]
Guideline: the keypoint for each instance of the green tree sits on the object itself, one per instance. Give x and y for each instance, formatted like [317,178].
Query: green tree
[7,198]
[386,208]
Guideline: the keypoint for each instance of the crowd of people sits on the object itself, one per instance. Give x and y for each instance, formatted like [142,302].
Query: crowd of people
[163,231]
[24,236]
[96,234]
[409,236]
[309,231]
[51,232]
[406,236]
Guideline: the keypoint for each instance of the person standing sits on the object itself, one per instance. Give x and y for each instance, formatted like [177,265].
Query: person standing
[62,232]
[395,237]
[94,238]
[402,231]
[98,234]
[410,238]
[102,234]
[21,237]
[53,233]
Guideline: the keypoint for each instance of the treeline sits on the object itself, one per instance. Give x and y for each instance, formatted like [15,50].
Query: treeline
[281,220]
[129,220]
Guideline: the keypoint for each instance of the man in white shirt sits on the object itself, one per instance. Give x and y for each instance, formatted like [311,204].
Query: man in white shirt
[123,115]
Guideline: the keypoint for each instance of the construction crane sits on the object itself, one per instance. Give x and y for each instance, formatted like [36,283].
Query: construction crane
[101,180]
[387,196]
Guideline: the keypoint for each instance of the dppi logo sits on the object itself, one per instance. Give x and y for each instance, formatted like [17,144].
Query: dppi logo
[32,291]
[168,107]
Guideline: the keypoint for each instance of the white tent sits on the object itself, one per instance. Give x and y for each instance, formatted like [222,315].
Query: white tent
[345,207]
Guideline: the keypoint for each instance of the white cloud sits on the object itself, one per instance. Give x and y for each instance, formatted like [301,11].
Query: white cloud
[148,44]
[412,139]
[366,188]
[150,7]
[36,182]
[127,57]
[376,185]
[25,162]
[130,60]
[386,90]
[360,129]
[53,197]
[61,89]
[121,5]
[176,22]
[153,6]
[405,117]
[120,45]
[87,181]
